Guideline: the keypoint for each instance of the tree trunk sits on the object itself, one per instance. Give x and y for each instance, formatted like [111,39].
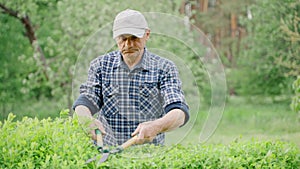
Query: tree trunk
[233,25]
[203,5]
[25,20]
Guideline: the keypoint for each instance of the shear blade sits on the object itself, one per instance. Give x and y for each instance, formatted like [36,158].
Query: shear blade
[104,157]
[117,150]
[91,159]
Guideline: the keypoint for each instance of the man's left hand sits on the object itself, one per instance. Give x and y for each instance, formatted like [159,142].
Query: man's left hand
[146,131]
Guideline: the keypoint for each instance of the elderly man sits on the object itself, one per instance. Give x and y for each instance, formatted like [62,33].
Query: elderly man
[134,92]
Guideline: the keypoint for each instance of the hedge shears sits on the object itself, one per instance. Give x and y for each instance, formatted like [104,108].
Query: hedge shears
[105,151]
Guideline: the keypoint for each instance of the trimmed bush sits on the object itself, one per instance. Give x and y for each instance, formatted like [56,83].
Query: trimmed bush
[61,143]
[47,143]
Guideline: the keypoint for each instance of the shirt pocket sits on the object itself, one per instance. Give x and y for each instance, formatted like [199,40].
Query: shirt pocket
[110,100]
[148,90]
[150,102]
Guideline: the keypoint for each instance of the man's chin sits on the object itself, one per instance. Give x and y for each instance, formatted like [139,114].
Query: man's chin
[130,55]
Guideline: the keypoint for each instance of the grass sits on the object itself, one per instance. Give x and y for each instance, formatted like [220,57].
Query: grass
[247,120]
[259,121]
[41,108]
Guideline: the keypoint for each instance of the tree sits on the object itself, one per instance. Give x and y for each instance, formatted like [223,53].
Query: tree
[266,44]
[290,28]
[56,34]
[13,47]
[220,20]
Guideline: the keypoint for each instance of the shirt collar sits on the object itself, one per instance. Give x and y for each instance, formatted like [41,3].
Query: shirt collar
[144,63]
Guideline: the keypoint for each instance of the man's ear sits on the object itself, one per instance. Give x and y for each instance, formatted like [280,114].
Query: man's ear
[147,34]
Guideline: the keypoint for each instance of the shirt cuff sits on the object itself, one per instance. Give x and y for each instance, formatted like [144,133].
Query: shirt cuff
[83,100]
[181,106]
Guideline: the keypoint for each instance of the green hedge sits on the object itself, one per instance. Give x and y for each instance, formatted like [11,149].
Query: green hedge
[47,143]
[60,143]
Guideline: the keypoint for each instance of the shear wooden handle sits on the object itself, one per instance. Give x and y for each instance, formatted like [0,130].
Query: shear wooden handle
[99,138]
[129,142]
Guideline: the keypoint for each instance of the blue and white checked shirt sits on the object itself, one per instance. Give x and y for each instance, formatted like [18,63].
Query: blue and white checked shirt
[124,98]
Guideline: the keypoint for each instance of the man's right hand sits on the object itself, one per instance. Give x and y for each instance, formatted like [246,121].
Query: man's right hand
[87,121]
[96,124]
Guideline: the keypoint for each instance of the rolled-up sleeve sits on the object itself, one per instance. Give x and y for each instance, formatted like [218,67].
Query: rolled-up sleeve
[83,100]
[171,90]
[90,91]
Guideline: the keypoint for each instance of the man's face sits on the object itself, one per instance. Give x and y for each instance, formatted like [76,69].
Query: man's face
[131,46]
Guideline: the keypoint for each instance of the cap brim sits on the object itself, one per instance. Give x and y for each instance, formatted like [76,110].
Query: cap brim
[138,32]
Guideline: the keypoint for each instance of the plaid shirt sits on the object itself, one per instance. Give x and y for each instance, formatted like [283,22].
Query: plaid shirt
[124,98]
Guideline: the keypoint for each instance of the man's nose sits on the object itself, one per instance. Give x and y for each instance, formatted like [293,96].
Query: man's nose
[128,42]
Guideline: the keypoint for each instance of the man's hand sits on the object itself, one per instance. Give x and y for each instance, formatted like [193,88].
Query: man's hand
[96,124]
[147,131]
[87,121]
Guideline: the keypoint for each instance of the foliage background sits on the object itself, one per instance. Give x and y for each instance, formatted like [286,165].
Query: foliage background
[257,41]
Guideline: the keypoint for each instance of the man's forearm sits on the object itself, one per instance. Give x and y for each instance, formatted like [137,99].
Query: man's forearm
[86,119]
[171,120]
[83,111]
[84,114]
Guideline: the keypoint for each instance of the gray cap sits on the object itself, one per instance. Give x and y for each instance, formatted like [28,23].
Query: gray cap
[130,22]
